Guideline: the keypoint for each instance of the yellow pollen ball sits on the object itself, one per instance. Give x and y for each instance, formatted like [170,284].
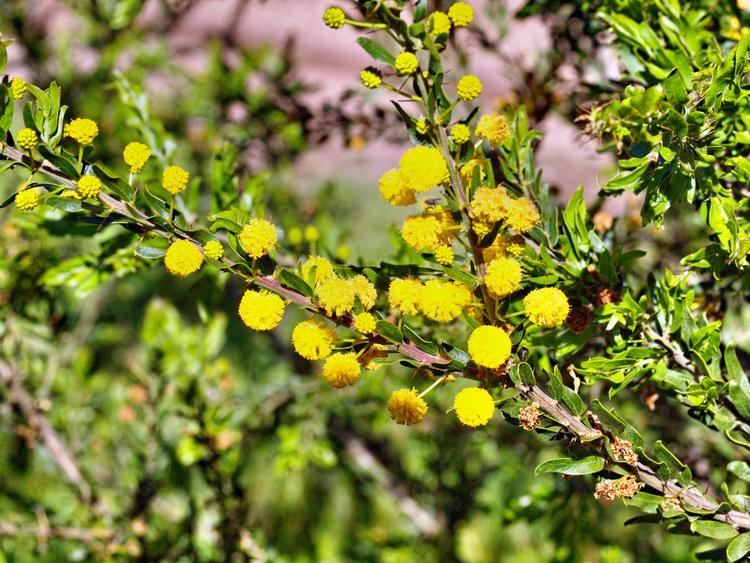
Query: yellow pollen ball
[135,155]
[333,17]
[174,179]
[522,215]
[316,269]
[406,63]
[312,234]
[312,340]
[258,237]
[546,307]
[489,346]
[407,407]
[394,190]
[443,301]
[26,200]
[490,205]
[213,250]
[27,139]
[422,126]
[439,23]
[89,186]
[444,255]
[492,128]
[18,87]
[295,236]
[371,77]
[261,310]
[341,369]
[336,296]
[503,276]
[469,87]
[461,14]
[364,323]
[404,295]
[423,168]
[183,258]
[474,406]
[82,130]
[460,134]
[364,291]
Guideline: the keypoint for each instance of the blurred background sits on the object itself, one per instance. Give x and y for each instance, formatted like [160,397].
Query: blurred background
[139,420]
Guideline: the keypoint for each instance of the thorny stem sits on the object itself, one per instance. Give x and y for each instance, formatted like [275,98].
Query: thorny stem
[691,498]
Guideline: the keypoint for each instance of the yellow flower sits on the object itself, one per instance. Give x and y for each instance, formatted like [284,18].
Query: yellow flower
[546,307]
[404,295]
[439,23]
[421,233]
[467,170]
[503,276]
[135,155]
[474,406]
[443,301]
[489,346]
[312,340]
[18,87]
[490,205]
[316,269]
[258,237]
[341,369]
[342,252]
[407,407]
[406,63]
[82,130]
[364,291]
[394,190]
[213,250]
[492,128]
[174,179]
[469,87]
[364,323]
[460,134]
[522,215]
[183,258]
[371,77]
[421,126]
[336,296]
[27,139]
[26,200]
[504,247]
[461,14]
[423,168]
[261,310]
[335,18]
[444,255]
[295,236]
[312,234]
[89,186]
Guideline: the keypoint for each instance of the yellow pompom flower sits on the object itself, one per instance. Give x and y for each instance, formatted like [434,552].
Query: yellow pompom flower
[312,234]
[422,233]
[404,294]
[469,87]
[316,269]
[423,168]
[174,179]
[407,407]
[295,235]
[89,186]
[333,17]
[18,87]
[341,369]
[312,340]
[444,255]
[421,126]
[503,276]
[443,301]
[336,296]
[461,14]
[365,323]
[490,205]
[439,23]
[467,170]
[406,63]
[183,258]
[522,215]
[27,139]
[492,128]
[364,291]
[504,247]
[474,406]
[135,155]
[258,237]
[546,307]
[82,130]
[28,199]
[371,77]
[489,346]
[261,310]
[460,134]
[394,190]
[342,252]
[213,250]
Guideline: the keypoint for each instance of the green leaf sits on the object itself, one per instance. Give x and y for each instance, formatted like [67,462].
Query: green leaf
[67,166]
[739,547]
[376,50]
[65,203]
[389,331]
[713,529]
[740,469]
[293,281]
[568,466]
[152,249]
